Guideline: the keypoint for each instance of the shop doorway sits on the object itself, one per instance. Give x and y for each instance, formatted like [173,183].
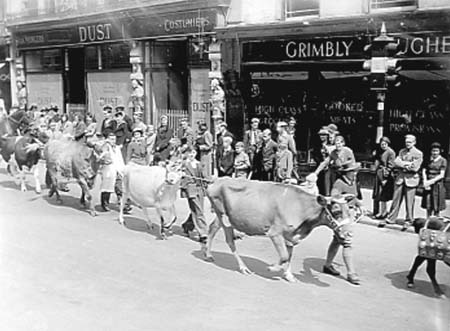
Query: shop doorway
[75,77]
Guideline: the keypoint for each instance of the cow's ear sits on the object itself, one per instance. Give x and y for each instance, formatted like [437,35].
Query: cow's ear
[322,200]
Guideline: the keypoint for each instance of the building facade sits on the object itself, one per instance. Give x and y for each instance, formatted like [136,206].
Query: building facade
[304,59]
[146,55]
[5,80]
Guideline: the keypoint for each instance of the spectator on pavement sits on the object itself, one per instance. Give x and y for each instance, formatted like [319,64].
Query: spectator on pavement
[241,162]
[384,182]
[67,127]
[225,158]
[204,145]
[136,151]
[252,140]
[433,200]
[109,124]
[185,134]
[284,135]
[162,141]
[267,154]
[91,126]
[320,153]
[284,163]
[406,180]
[138,122]
[122,132]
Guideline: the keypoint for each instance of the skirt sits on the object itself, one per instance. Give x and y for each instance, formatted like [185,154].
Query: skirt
[434,199]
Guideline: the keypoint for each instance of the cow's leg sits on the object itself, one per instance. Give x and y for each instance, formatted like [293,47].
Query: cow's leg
[83,200]
[37,183]
[417,263]
[285,254]
[229,237]
[214,227]
[23,185]
[148,220]
[87,196]
[431,271]
[54,186]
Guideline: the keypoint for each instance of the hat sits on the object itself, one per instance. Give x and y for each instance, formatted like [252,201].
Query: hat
[332,128]
[350,167]
[119,113]
[138,130]
[254,119]
[120,106]
[240,144]
[324,131]
[386,140]
[282,123]
[436,145]
[105,107]
[223,124]
[163,116]
[54,107]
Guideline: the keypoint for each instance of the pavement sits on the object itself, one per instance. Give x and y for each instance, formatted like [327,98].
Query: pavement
[61,269]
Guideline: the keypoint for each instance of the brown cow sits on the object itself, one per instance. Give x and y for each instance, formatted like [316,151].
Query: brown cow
[284,213]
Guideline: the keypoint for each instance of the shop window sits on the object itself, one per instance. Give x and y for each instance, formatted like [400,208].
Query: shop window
[301,8]
[91,56]
[44,60]
[115,56]
[388,4]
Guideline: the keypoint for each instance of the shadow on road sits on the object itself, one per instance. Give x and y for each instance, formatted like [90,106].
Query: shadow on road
[140,225]
[260,268]
[11,185]
[398,280]
[68,201]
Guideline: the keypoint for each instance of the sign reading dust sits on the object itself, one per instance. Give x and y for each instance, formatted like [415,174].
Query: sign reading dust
[200,109]
[45,89]
[108,88]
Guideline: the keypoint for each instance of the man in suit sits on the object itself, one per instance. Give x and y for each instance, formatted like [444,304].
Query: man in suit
[162,141]
[252,140]
[406,180]
[284,163]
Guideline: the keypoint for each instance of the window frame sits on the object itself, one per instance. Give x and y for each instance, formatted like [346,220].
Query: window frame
[398,7]
[290,15]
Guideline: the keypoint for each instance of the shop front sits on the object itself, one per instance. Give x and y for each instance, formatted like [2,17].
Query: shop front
[154,59]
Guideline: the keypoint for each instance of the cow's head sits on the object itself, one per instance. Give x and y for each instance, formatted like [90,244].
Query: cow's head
[336,210]
[174,172]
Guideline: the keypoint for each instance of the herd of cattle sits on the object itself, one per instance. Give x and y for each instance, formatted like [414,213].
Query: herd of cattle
[284,213]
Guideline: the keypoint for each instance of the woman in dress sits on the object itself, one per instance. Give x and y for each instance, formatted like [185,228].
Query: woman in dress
[384,183]
[433,181]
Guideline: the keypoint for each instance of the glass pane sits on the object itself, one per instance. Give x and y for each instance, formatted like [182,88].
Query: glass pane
[52,59]
[295,8]
[33,61]
[116,56]
[378,4]
[91,56]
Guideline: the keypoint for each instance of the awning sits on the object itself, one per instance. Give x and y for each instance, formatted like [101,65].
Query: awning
[343,74]
[426,75]
[281,75]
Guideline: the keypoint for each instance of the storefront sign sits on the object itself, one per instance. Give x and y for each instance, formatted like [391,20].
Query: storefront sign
[104,31]
[198,21]
[424,45]
[200,90]
[45,89]
[288,50]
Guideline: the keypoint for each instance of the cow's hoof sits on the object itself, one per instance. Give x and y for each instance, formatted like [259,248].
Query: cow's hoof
[209,258]
[93,213]
[23,189]
[274,268]
[121,222]
[290,278]
[245,271]
[38,191]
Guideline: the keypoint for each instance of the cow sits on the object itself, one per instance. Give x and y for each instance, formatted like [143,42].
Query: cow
[11,124]
[27,151]
[283,212]
[152,187]
[434,223]
[72,159]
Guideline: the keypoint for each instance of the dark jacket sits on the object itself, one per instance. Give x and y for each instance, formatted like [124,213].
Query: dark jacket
[162,142]
[122,133]
[267,154]
[108,126]
[225,162]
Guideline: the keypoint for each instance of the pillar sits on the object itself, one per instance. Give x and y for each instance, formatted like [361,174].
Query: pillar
[137,77]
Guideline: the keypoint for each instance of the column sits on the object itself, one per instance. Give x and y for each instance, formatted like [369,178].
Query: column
[137,77]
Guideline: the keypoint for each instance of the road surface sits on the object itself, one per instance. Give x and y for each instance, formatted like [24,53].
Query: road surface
[61,269]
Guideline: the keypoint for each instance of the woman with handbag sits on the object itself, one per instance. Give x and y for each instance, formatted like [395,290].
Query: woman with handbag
[433,175]
[383,189]
[192,188]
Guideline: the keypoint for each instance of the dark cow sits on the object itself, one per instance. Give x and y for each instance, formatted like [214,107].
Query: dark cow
[27,151]
[10,124]
[72,159]
[435,223]
[284,213]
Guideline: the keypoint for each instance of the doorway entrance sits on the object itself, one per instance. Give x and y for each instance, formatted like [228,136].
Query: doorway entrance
[75,77]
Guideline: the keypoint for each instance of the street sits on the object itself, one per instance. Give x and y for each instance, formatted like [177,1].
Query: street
[64,270]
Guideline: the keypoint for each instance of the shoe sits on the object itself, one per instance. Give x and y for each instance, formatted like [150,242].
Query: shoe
[410,282]
[406,226]
[353,279]
[104,201]
[330,270]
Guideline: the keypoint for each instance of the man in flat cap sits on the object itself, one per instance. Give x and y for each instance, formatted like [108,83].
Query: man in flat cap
[108,124]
